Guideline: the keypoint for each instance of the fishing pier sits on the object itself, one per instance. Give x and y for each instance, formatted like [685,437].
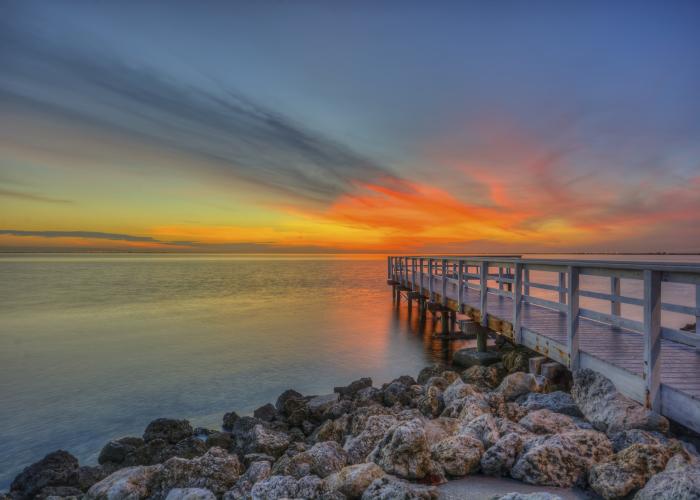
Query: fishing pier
[619,318]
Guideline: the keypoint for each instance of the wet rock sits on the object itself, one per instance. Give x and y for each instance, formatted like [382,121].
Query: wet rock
[220,439]
[276,487]
[469,357]
[623,439]
[458,455]
[483,377]
[216,470]
[230,419]
[431,404]
[396,392]
[680,479]
[266,413]
[391,488]
[168,429]
[58,468]
[353,480]
[126,451]
[257,471]
[499,459]
[404,451]
[360,446]
[130,483]
[609,410]
[429,372]
[519,383]
[349,391]
[293,407]
[628,470]
[547,422]
[558,402]
[319,405]
[322,459]
[190,494]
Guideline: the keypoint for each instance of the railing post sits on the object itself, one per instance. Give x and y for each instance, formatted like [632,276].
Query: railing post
[517,302]
[413,273]
[615,292]
[431,293]
[388,267]
[526,281]
[562,288]
[444,282]
[572,319]
[484,292]
[697,315]
[500,278]
[420,264]
[652,338]
[460,289]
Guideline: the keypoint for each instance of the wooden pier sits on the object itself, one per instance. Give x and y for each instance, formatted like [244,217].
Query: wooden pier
[653,363]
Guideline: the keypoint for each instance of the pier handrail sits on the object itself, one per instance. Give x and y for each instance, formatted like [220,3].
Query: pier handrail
[512,277]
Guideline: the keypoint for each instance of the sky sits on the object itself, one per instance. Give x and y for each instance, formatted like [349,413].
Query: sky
[365,126]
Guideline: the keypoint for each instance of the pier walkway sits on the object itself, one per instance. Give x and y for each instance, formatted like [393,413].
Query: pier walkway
[618,318]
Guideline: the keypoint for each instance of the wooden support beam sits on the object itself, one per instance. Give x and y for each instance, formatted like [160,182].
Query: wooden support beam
[572,319]
[652,338]
[483,279]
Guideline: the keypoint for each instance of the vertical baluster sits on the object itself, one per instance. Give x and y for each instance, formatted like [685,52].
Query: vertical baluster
[652,337]
[444,282]
[460,288]
[526,281]
[615,292]
[483,279]
[573,318]
[562,288]
[431,293]
[517,302]
[697,317]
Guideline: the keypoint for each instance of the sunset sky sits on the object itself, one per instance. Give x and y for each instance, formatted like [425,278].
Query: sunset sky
[350,126]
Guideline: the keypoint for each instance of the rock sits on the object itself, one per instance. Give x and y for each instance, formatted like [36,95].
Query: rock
[262,440]
[368,395]
[276,487]
[353,480]
[158,450]
[431,404]
[547,422]
[608,410]
[439,382]
[458,390]
[251,458]
[349,391]
[406,380]
[458,455]
[127,451]
[230,419]
[130,483]
[322,459]
[558,402]
[257,471]
[628,470]
[58,468]
[339,409]
[319,405]
[471,357]
[168,429]
[679,479]
[517,360]
[553,371]
[360,417]
[483,377]
[498,460]
[89,475]
[429,372]
[391,488]
[59,492]
[396,392]
[404,451]
[266,413]
[332,430]
[472,407]
[293,407]
[360,446]
[450,376]
[520,383]
[190,494]
[484,427]
[530,496]
[623,439]
[216,470]
[220,439]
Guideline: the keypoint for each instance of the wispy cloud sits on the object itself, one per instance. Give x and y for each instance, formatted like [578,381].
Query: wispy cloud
[90,235]
[8,193]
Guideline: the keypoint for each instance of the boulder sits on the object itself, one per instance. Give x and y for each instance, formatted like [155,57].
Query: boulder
[368,396]
[353,480]
[89,475]
[458,390]
[484,428]
[392,488]
[623,439]
[439,382]
[59,492]
[471,357]
[257,471]
[287,487]
[483,377]
[322,459]
[159,450]
[628,470]
[230,419]
[396,392]
[58,468]
[431,403]
[609,410]
[557,401]
[332,430]
[319,405]
[216,470]
[130,483]
[404,451]
[458,455]
[190,494]
[520,383]
[450,376]
[266,413]
[499,459]
[472,407]
[293,407]
[517,360]
[263,440]
[429,372]
[168,429]
[547,422]
[680,479]
[360,446]
[349,391]
[124,452]
[220,439]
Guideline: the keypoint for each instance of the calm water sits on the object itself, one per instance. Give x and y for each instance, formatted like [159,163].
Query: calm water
[93,347]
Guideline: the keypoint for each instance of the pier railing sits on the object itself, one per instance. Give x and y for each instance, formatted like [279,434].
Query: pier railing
[634,296]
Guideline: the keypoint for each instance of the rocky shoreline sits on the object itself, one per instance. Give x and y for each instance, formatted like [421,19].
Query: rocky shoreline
[396,442]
